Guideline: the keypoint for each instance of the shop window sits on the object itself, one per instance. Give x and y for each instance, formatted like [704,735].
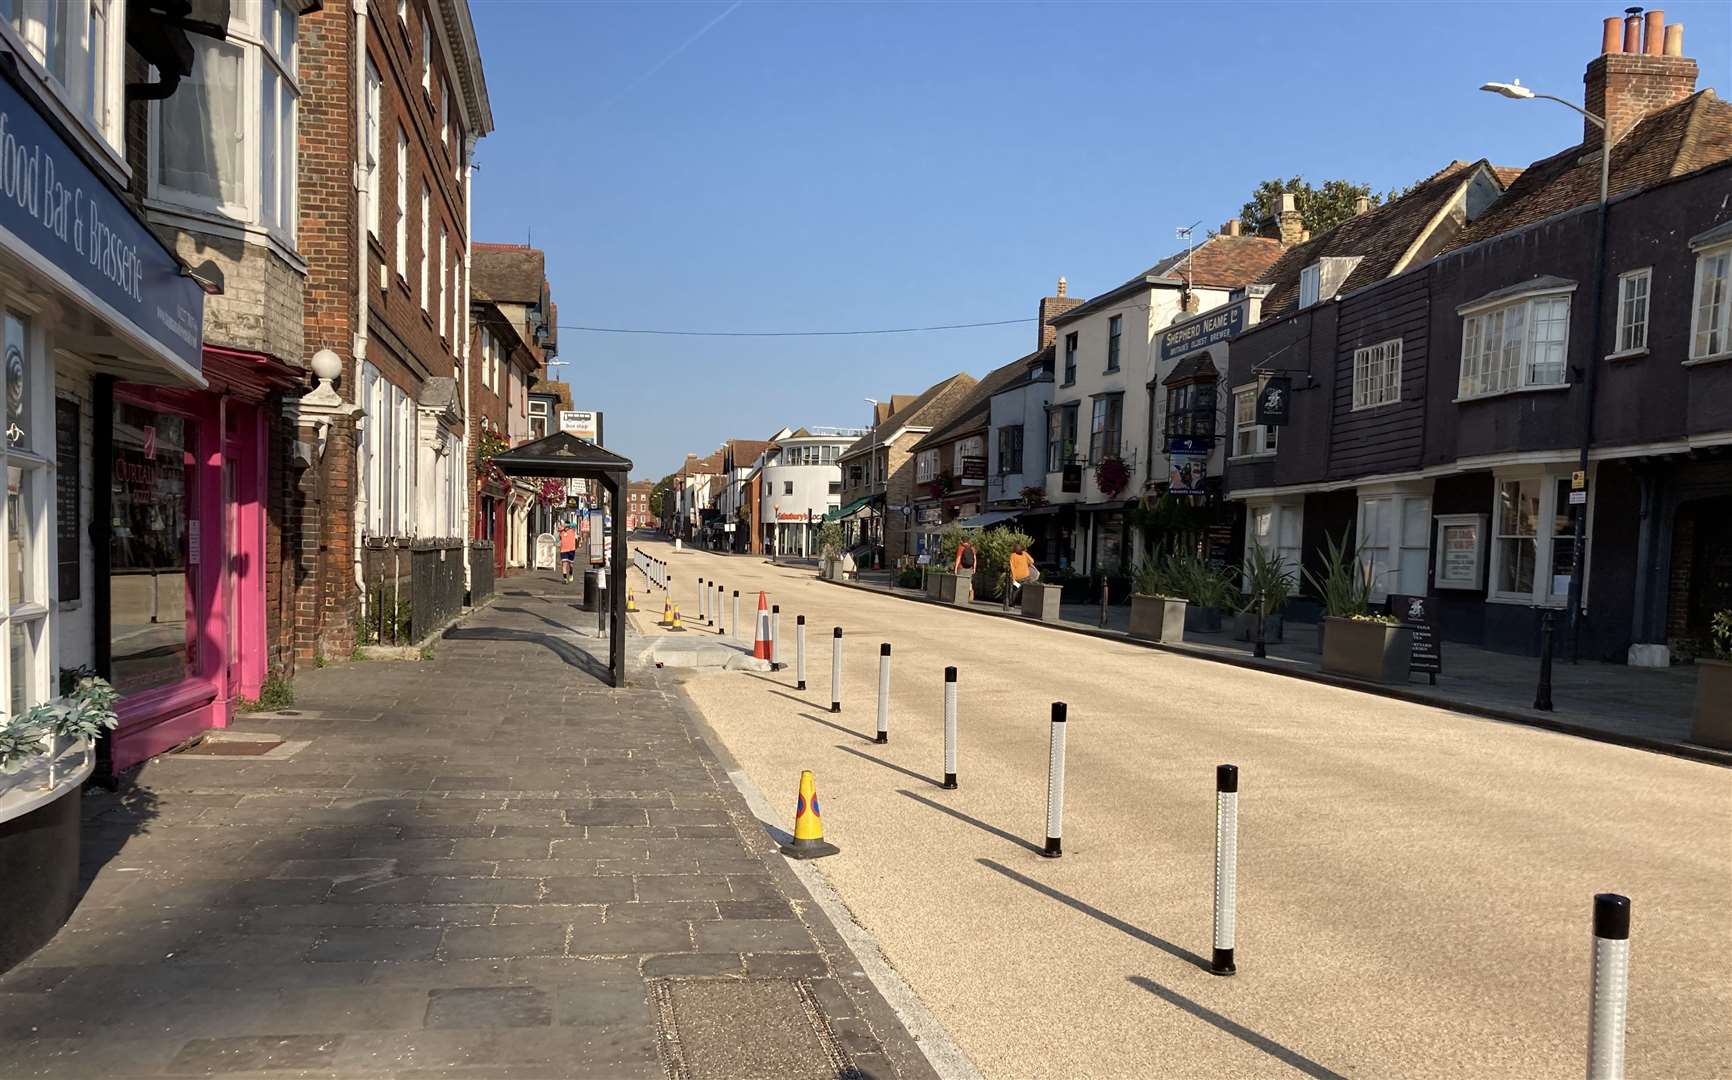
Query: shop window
[1010,450]
[1633,310]
[1377,374]
[1115,330]
[154,547]
[1395,543]
[1515,347]
[1276,528]
[1249,437]
[1711,319]
[1533,540]
[76,43]
[24,558]
[68,519]
[225,139]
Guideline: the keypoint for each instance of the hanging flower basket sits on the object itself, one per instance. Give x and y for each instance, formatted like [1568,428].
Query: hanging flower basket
[1112,476]
[941,485]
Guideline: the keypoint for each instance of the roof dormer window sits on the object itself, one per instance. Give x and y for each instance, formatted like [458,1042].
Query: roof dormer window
[1324,278]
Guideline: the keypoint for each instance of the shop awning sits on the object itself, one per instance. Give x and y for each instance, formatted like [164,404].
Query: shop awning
[849,510]
[991,517]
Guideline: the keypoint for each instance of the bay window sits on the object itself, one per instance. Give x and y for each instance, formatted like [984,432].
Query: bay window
[1395,542]
[77,44]
[225,141]
[1516,346]
[1190,410]
[1249,437]
[25,557]
[1711,314]
[1532,539]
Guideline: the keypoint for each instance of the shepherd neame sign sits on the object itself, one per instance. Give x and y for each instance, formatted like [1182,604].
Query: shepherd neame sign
[1202,332]
[55,206]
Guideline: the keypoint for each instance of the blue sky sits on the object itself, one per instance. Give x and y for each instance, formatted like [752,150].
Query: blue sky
[862,165]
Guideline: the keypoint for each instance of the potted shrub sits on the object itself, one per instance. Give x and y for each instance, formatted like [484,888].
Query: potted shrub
[1713,722]
[1207,593]
[1357,643]
[1268,586]
[1156,614]
[831,541]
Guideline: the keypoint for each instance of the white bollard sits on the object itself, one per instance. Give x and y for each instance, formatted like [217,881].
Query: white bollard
[1055,784]
[703,602]
[736,613]
[775,637]
[950,728]
[800,651]
[1226,867]
[721,624]
[884,692]
[1608,1001]
[836,671]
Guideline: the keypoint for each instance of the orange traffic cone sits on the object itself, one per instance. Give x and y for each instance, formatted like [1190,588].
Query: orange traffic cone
[667,612]
[761,641]
[630,601]
[808,842]
[676,627]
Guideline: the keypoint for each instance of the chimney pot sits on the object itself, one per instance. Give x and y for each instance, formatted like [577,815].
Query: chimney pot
[1234,227]
[1061,285]
[1288,202]
[1654,33]
[1674,40]
[1361,204]
[1611,39]
[1291,221]
[1632,30]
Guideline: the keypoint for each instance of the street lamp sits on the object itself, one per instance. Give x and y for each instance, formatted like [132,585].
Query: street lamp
[1516,91]
[872,467]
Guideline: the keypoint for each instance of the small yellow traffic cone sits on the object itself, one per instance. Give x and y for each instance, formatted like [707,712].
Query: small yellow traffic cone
[667,612]
[630,601]
[676,627]
[808,842]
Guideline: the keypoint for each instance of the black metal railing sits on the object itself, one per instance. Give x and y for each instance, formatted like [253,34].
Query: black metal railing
[480,570]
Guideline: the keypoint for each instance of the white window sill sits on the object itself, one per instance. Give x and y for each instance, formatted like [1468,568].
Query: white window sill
[1516,390]
[1378,405]
[1629,354]
[217,224]
[1711,358]
[1261,455]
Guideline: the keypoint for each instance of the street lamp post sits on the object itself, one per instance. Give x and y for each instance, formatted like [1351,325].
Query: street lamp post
[872,467]
[1516,91]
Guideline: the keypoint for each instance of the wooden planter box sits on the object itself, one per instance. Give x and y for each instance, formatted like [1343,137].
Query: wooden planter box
[1202,620]
[1713,723]
[1042,601]
[1374,651]
[1158,618]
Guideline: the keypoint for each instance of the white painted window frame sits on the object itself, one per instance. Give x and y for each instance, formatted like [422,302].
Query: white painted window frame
[425,257]
[106,72]
[1390,579]
[1548,478]
[1475,347]
[22,331]
[1712,342]
[1285,516]
[1265,439]
[402,253]
[1635,287]
[375,87]
[1377,375]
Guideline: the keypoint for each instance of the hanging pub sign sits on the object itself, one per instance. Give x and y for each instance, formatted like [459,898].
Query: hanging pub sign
[1273,401]
[1420,617]
[973,472]
[1071,480]
[1188,474]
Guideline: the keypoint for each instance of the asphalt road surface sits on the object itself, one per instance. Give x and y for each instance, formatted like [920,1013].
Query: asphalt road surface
[1415,885]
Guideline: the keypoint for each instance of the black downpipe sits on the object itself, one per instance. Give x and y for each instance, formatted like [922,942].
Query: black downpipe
[101,555]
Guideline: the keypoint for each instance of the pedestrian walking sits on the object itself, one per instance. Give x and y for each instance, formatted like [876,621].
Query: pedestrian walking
[965,557]
[567,552]
[1022,570]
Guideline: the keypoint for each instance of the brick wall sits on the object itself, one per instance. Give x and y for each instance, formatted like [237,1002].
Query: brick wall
[1624,87]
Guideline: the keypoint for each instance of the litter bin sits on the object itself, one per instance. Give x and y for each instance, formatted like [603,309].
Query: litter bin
[591,589]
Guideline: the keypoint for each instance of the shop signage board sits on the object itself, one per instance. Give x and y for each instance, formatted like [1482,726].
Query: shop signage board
[1217,326]
[1419,615]
[584,423]
[974,471]
[57,215]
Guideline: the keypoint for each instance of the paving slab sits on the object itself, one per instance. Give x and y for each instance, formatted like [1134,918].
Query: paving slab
[457,874]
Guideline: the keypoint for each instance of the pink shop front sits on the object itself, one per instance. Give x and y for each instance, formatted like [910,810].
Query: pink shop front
[181,581]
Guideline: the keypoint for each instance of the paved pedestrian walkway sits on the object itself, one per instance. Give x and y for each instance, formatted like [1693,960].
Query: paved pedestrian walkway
[483,865]
[1641,706]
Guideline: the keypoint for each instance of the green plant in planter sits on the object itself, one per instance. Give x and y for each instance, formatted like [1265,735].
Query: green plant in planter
[1268,582]
[1720,635]
[1346,583]
[831,539]
[1183,574]
[21,739]
[83,714]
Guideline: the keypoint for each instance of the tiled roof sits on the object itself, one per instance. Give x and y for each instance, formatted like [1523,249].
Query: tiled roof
[975,408]
[510,273]
[1221,261]
[746,451]
[1693,134]
[925,410]
[1379,237]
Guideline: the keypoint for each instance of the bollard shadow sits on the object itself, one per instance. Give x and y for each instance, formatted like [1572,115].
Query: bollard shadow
[1291,1058]
[833,726]
[573,657]
[1096,913]
[976,822]
[888,765]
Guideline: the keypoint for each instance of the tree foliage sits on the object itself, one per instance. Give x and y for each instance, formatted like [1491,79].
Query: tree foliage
[1321,207]
[663,487]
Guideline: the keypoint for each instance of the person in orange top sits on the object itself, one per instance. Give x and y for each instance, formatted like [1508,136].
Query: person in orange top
[567,551]
[1022,569]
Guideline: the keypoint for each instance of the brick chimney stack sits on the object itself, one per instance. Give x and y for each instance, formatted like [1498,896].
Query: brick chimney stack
[1233,227]
[1641,69]
[1051,307]
[1292,225]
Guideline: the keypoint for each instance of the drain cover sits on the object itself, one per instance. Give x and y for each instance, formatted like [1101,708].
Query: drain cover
[236,747]
[735,1029]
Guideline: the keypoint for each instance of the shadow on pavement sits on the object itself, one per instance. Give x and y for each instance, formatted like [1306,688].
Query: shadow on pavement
[894,768]
[835,726]
[111,819]
[1096,913]
[976,822]
[574,657]
[1238,1031]
[556,624]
